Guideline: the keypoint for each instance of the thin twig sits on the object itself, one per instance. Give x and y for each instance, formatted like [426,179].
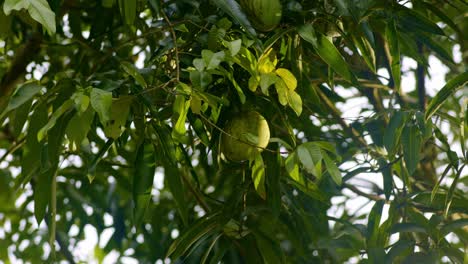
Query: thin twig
[355,190]
[13,149]
[174,39]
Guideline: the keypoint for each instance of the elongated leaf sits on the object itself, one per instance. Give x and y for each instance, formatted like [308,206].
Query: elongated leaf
[233,9]
[449,88]
[407,227]
[22,95]
[67,105]
[268,249]
[143,180]
[400,248]
[198,230]
[31,158]
[438,12]
[387,174]
[373,223]
[133,71]
[173,177]
[411,140]
[181,107]
[130,11]
[367,51]
[392,39]
[454,225]
[258,175]
[310,189]
[51,152]
[101,101]
[332,169]
[292,167]
[439,50]
[393,132]
[327,51]
[410,20]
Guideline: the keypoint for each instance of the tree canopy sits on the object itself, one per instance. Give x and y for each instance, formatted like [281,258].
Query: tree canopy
[147,119]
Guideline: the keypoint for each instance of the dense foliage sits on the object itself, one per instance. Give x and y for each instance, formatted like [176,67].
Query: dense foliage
[102,100]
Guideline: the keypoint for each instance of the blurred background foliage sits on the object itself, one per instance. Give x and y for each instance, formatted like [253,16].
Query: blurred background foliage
[112,113]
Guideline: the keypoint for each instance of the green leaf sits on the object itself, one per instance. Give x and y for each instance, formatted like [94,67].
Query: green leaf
[128,10]
[450,87]
[292,167]
[258,175]
[290,97]
[453,226]
[309,155]
[412,21]
[18,118]
[438,12]
[180,107]
[295,102]
[327,51]
[267,80]
[173,177]
[212,60]
[373,223]
[202,228]
[420,257]
[199,64]
[270,253]
[108,3]
[282,91]
[253,83]
[131,70]
[392,39]
[332,169]
[436,187]
[310,189]
[200,79]
[118,117]
[287,77]
[143,180]
[233,9]
[23,94]
[78,127]
[387,174]
[94,160]
[393,131]
[274,171]
[39,10]
[32,150]
[234,46]
[439,50]
[101,101]
[230,76]
[407,227]
[51,154]
[411,141]
[400,248]
[267,61]
[67,105]
[367,51]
